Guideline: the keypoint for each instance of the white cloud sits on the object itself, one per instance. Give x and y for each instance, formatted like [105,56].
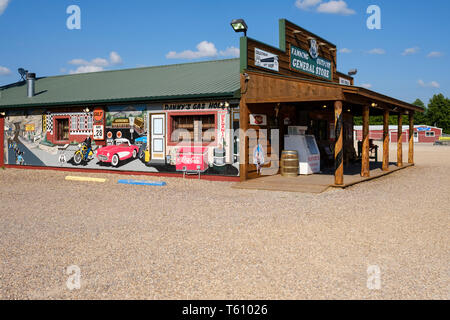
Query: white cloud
[3,5]
[331,7]
[366,85]
[86,69]
[335,7]
[205,49]
[432,84]
[95,65]
[409,51]
[114,58]
[4,71]
[377,51]
[435,54]
[230,52]
[306,4]
[345,50]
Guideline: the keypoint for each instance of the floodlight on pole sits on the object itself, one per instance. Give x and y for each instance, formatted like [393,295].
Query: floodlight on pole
[239,25]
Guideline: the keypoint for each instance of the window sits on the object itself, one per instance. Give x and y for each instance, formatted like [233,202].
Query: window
[196,128]
[429,134]
[89,122]
[82,123]
[74,123]
[416,134]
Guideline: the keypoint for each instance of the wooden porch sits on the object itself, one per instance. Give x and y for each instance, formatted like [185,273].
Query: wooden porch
[317,183]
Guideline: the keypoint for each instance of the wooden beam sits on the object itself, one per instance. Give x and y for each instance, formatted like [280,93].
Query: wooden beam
[411,138]
[385,166]
[399,140]
[338,151]
[243,139]
[365,168]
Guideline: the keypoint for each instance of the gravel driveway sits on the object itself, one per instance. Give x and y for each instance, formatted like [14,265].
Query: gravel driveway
[204,240]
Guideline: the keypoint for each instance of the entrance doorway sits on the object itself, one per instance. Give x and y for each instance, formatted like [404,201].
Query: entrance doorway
[62,129]
[416,136]
[157,137]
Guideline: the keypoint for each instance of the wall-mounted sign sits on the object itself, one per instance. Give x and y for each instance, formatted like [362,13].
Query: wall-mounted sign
[344,81]
[29,127]
[98,115]
[194,106]
[423,129]
[266,60]
[258,119]
[98,132]
[302,61]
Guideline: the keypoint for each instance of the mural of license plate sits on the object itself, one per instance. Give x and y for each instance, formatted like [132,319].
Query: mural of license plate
[98,132]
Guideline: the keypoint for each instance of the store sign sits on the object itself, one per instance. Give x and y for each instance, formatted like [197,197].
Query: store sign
[303,61]
[266,60]
[29,127]
[423,129]
[194,106]
[258,119]
[344,81]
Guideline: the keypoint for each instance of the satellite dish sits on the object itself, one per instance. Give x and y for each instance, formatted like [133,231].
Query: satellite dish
[23,73]
[352,72]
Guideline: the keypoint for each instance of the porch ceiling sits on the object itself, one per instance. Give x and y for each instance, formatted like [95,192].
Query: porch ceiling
[265,87]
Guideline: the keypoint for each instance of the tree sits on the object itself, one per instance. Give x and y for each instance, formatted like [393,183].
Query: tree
[438,112]
[420,117]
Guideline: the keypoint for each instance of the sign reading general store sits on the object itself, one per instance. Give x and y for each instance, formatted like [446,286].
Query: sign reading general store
[302,61]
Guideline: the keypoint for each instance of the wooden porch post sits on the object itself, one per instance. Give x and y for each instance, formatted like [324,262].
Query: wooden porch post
[365,169]
[411,138]
[243,140]
[386,140]
[338,151]
[399,140]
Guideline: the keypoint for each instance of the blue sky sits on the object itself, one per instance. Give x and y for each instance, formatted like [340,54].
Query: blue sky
[410,60]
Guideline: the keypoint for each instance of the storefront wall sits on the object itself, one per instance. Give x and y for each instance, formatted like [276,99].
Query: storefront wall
[52,138]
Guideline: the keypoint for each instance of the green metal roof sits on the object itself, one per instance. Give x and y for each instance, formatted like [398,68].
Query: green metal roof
[218,78]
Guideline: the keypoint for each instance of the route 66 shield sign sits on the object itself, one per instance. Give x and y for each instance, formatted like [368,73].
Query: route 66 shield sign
[313,50]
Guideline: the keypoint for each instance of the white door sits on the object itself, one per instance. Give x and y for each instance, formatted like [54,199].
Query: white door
[416,136]
[158,137]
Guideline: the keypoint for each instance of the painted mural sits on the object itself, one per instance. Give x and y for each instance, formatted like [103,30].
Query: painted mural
[122,138]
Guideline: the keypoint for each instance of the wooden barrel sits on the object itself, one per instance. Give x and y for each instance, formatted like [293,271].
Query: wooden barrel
[289,163]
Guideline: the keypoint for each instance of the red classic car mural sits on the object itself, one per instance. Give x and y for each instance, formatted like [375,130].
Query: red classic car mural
[121,150]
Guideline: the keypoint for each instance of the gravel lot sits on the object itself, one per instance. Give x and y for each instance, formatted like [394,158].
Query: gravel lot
[204,240]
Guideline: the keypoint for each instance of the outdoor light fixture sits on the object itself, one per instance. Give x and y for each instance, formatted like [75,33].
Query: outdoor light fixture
[324,106]
[2,114]
[352,72]
[322,44]
[239,25]
[332,49]
[86,110]
[374,104]
[310,38]
[296,31]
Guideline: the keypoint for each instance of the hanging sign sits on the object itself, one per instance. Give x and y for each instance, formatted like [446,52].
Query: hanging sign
[344,81]
[266,60]
[303,61]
